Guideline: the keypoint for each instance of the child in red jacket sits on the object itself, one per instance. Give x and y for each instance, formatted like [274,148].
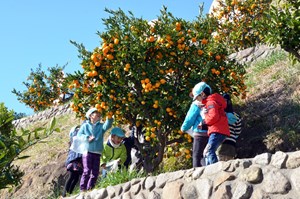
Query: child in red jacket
[214,116]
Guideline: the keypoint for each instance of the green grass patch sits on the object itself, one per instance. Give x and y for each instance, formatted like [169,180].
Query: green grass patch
[119,177]
[274,58]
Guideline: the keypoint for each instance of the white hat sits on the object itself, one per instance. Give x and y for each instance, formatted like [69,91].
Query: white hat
[89,112]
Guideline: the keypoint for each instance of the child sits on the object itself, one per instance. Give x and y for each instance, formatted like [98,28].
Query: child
[214,117]
[73,165]
[227,150]
[114,151]
[192,120]
[129,144]
[92,131]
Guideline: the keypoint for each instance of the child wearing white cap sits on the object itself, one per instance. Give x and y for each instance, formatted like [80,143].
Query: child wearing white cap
[92,131]
[191,122]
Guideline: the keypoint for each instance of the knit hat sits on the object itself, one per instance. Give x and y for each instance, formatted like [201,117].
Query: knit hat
[199,88]
[89,112]
[118,132]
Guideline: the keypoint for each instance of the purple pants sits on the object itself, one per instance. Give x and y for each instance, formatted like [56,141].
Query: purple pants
[91,163]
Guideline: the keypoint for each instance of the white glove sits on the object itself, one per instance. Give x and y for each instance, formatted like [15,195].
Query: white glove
[203,112]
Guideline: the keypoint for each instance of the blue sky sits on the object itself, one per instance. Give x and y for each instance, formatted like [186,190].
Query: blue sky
[37,32]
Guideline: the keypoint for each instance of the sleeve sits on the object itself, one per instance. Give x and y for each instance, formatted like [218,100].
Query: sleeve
[71,133]
[231,118]
[212,115]
[190,117]
[107,124]
[83,132]
[236,128]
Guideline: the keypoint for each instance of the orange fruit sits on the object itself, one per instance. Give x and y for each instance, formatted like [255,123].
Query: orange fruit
[147,138]
[151,39]
[105,49]
[218,57]
[187,151]
[152,135]
[204,41]
[116,41]
[97,63]
[110,56]
[162,81]
[200,52]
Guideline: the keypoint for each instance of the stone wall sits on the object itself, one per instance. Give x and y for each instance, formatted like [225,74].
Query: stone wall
[266,176]
[253,54]
[42,116]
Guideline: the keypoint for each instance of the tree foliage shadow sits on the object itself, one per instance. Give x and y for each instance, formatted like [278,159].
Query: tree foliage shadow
[271,122]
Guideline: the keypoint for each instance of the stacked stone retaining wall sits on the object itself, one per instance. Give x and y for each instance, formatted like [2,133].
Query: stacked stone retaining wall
[266,176]
[43,116]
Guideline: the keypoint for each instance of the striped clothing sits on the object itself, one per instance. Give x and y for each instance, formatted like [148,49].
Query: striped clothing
[235,131]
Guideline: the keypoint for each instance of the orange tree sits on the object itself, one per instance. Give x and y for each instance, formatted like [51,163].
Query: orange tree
[142,73]
[243,24]
[237,21]
[281,26]
[43,89]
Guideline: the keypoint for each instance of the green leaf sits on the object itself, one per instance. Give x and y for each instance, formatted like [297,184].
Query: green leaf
[25,132]
[36,136]
[57,130]
[23,157]
[39,129]
[52,123]
[2,144]
[28,138]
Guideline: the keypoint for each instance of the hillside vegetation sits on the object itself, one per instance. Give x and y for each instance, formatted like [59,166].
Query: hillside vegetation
[271,119]
[271,112]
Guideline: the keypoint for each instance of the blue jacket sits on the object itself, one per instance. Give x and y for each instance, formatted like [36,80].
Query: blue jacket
[98,129]
[192,119]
